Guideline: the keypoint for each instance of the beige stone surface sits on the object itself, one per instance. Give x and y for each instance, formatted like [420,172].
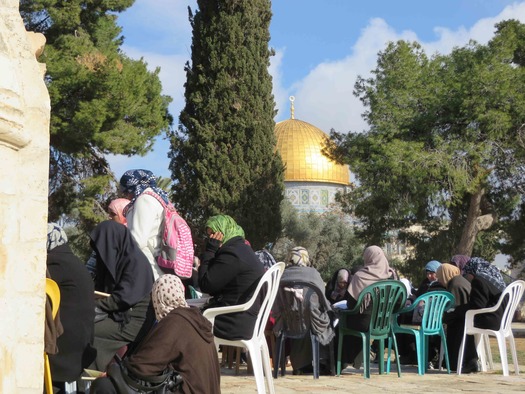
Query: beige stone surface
[352,381]
[24,166]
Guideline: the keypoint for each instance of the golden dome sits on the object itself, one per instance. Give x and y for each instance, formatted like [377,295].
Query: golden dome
[300,145]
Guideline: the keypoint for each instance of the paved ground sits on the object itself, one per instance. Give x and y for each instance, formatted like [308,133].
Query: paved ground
[352,381]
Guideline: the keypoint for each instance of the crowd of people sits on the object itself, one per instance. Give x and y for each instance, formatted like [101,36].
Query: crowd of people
[124,315]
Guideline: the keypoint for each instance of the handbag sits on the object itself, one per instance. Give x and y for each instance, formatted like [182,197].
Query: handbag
[127,383]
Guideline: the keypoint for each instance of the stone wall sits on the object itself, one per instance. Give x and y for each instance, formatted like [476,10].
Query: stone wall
[24,166]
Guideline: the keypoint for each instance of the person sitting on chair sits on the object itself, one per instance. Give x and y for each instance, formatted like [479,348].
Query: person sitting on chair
[376,268]
[317,311]
[180,343]
[123,272]
[77,309]
[230,272]
[486,287]
[336,289]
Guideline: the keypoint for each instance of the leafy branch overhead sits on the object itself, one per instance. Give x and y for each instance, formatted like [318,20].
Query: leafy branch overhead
[443,146]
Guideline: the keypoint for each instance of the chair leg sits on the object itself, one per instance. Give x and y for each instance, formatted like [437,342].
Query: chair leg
[47,375]
[460,355]
[277,355]
[339,352]
[444,351]
[366,356]
[265,359]
[257,362]
[332,361]
[381,356]
[503,354]
[396,352]
[488,352]
[481,341]
[512,345]
[315,355]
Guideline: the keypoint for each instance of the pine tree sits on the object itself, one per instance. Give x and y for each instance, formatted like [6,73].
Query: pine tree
[223,157]
[101,101]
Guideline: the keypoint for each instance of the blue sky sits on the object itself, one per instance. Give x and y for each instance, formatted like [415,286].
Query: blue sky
[321,47]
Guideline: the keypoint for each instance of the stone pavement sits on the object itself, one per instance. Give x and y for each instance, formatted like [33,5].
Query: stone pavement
[352,380]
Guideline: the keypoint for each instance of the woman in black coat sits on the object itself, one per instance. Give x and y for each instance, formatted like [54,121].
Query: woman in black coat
[230,272]
[75,350]
[486,287]
[123,272]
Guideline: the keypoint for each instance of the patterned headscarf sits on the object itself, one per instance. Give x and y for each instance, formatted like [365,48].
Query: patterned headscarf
[226,225]
[136,181]
[460,260]
[55,236]
[482,268]
[265,258]
[446,272]
[432,266]
[298,256]
[117,208]
[167,294]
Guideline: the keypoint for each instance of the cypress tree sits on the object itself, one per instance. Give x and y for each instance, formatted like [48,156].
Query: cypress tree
[223,156]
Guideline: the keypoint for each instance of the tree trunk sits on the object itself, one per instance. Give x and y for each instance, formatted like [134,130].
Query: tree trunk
[474,224]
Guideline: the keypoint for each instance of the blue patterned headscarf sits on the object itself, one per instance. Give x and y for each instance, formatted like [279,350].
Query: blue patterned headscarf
[482,268]
[56,236]
[136,181]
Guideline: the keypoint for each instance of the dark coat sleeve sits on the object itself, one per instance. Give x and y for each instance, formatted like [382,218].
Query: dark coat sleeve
[216,270]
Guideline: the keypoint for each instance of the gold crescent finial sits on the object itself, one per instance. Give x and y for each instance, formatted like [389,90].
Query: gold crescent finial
[292,108]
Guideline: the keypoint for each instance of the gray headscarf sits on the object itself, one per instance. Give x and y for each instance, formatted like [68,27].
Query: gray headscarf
[55,236]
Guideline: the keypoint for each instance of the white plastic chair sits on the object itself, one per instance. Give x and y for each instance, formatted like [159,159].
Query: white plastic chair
[256,345]
[481,335]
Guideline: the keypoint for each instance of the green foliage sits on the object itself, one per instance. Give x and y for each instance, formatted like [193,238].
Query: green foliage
[222,157]
[442,130]
[329,239]
[102,102]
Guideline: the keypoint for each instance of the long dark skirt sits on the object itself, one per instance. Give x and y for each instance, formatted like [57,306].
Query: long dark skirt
[110,335]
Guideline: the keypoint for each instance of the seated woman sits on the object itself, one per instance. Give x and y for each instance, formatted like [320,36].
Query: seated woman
[116,213]
[375,268]
[75,345]
[125,273]
[460,260]
[182,341]
[317,312]
[230,272]
[486,287]
[337,286]
[450,277]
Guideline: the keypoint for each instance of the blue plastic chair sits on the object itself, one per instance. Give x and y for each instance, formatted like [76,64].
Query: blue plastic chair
[436,303]
[386,298]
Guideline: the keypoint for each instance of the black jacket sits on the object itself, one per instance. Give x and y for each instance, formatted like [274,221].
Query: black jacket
[230,274]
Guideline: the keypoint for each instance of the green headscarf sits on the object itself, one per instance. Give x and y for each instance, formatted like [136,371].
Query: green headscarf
[226,225]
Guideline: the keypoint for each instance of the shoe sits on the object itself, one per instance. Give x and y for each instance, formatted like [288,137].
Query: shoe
[470,367]
[431,365]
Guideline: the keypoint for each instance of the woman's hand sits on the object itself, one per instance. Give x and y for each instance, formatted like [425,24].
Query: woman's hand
[218,236]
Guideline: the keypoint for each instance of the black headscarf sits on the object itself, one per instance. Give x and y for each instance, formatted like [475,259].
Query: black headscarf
[126,272]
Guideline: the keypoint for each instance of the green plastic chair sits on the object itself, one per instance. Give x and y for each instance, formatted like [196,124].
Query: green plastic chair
[436,303]
[386,298]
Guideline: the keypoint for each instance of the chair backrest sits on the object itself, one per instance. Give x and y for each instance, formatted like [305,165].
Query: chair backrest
[295,309]
[436,302]
[514,292]
[53,292]
[386,297]
[270,282]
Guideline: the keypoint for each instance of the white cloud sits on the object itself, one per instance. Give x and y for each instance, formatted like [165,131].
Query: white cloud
[325,96]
